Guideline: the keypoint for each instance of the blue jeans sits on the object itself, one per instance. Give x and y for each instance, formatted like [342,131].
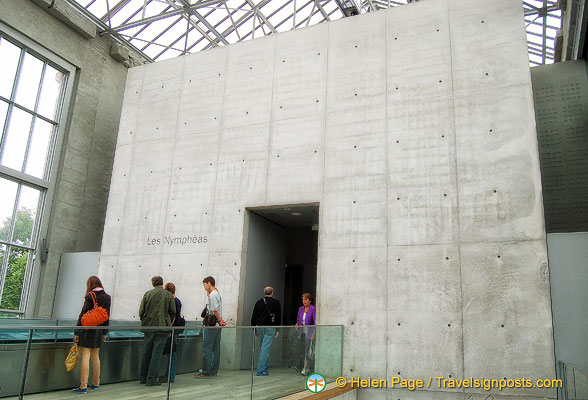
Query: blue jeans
[211,351]
[174,362]
[152,349]
[266,338]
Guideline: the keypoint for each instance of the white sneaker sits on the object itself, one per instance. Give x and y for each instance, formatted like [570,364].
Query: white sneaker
[304,372]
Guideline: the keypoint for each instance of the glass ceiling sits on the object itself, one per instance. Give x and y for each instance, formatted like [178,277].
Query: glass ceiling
[163,29]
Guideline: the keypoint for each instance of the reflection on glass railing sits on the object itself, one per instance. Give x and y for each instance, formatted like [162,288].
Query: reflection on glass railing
[249,364]
[575,382]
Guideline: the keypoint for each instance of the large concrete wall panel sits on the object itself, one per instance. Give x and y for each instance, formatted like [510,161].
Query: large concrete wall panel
[128,286]
[354,181]
[498,166]
[357,63]
[203,78]
[300,73]
[249,83]
[425,312]
[352,271]
[418,52]
[146,206]
[507,314]
[296,162]
[499,25]
[191,196]
[158,111]
[181,270]
[422,187]
[113,224]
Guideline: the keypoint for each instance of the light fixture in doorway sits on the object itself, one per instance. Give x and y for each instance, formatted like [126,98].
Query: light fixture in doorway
[296,214]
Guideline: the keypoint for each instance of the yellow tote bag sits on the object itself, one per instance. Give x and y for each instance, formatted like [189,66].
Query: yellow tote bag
[72,359]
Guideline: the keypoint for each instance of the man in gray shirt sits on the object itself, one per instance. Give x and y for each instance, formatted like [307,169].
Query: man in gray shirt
[212,336]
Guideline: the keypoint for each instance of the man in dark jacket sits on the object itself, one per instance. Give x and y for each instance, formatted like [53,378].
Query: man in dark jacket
[158,308]
[266,312]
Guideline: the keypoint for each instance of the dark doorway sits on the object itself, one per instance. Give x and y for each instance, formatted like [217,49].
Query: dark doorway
[292,290]
[282,249]
[300,228]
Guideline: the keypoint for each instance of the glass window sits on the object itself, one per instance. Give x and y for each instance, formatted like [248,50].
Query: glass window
[14,278]
[28,201]
[16,138]
[39,148]
[7,202]
[32,90]
[53,81]
[10,55]
[28,81]
[3,110]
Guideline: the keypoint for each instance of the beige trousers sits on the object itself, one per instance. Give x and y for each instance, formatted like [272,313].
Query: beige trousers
[88,354]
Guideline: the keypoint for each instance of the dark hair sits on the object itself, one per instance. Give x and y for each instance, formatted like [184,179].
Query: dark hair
[306,296]
[209,279]
[170,287]
[157,281]
[92,283]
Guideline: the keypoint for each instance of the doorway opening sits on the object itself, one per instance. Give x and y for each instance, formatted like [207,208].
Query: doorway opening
[282,247]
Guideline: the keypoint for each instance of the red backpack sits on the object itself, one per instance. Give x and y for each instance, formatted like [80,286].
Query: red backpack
[96,316]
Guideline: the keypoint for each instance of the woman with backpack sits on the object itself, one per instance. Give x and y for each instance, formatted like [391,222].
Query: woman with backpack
[90,340]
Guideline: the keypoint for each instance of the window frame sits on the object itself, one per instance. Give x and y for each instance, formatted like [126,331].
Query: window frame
[47,185]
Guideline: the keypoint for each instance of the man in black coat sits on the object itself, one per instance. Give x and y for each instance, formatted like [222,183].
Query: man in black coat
[266,312]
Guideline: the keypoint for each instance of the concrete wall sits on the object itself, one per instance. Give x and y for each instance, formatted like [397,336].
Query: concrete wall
[413,128]
[76,219]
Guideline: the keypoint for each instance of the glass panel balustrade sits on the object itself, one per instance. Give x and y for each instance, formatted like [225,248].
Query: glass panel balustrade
[33,354]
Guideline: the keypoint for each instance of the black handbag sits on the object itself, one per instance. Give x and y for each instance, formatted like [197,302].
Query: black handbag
[180,321]
[209,319]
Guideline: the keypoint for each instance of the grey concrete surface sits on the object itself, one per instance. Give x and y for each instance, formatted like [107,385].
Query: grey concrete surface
[414,130]
[76,220]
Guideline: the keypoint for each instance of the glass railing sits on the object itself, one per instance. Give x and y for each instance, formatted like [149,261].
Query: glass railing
[575,382]
[33,357]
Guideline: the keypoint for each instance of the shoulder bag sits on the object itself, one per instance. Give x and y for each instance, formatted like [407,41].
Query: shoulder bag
[96,316]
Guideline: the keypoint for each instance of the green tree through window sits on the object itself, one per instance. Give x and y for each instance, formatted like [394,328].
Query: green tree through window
[17,257]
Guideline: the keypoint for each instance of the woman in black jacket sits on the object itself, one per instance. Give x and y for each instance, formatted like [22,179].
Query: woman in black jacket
[90,340]
[178,321]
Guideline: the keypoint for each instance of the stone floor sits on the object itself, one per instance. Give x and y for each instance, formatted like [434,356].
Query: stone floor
[227,385]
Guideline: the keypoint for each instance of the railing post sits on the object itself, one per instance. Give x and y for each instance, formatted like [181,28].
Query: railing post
[169,364]
[252,361]
[25,366]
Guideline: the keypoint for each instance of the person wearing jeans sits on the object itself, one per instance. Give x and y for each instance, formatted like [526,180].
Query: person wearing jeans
[157,308]
[170,287]
[266,313]
[211,351]
[211,336]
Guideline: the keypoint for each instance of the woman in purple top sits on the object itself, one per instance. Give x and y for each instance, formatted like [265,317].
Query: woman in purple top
[305,322]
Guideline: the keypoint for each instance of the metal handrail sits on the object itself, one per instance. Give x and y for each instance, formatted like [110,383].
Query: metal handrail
[139,327]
